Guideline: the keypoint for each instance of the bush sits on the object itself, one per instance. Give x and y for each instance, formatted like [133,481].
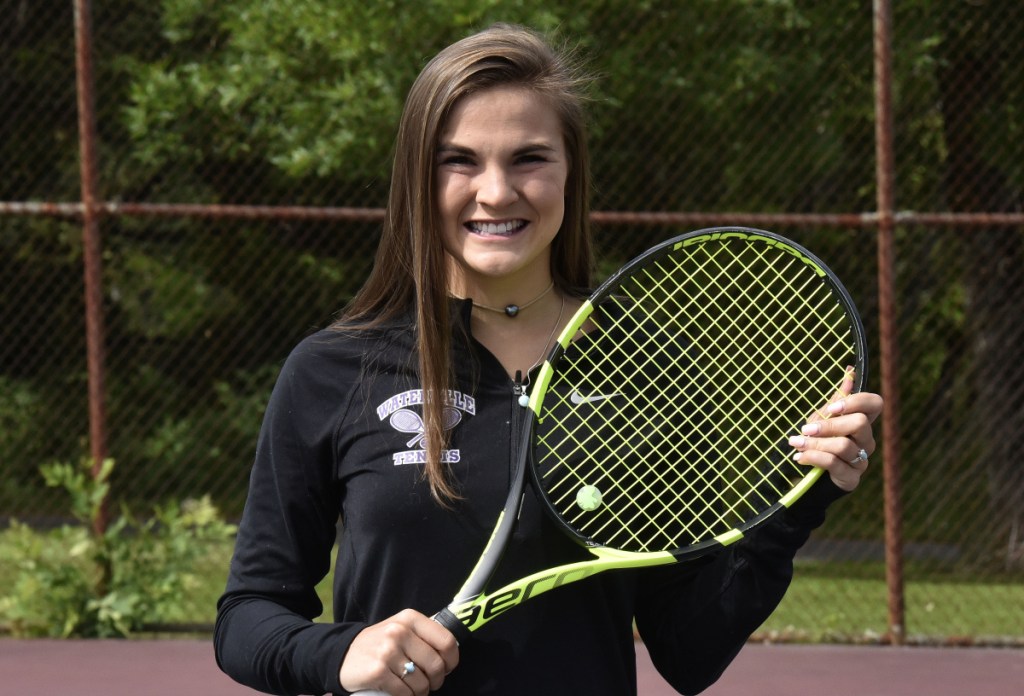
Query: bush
[77,582]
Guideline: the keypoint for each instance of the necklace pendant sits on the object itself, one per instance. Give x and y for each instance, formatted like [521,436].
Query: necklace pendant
[511,310]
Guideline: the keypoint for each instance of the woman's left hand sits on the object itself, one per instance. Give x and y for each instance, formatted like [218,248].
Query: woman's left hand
[839,439]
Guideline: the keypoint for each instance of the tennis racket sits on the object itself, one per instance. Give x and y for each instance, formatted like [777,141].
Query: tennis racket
[656,430]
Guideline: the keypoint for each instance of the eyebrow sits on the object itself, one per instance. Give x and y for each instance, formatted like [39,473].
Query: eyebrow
[450,148]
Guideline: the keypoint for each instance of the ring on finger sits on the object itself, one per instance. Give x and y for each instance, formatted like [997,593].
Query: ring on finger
[408,668]
[862,456]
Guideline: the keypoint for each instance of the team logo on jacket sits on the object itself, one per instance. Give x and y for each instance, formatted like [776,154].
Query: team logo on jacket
[404,413]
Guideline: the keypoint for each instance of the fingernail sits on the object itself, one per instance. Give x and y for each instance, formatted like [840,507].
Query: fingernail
[811,429]
[796,441]
[836,407]
[796,456]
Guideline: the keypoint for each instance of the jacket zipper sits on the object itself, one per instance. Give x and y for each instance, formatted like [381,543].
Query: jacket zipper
[519,389]
[518,403]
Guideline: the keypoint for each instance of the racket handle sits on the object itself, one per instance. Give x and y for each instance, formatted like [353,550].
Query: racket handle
[447,618]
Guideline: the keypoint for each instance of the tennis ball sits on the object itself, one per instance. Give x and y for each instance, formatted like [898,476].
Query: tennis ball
[588,498]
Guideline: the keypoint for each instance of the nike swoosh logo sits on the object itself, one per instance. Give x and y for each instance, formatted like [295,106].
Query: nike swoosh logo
[578,398]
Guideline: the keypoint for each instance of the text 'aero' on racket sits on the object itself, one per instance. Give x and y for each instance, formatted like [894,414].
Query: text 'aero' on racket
[657,428]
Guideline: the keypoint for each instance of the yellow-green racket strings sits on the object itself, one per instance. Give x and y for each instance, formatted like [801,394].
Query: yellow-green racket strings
[665,426]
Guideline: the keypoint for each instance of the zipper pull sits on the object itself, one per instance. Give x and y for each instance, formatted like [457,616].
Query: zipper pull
[519,389]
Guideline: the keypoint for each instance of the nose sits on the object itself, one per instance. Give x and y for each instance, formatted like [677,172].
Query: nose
[496,188]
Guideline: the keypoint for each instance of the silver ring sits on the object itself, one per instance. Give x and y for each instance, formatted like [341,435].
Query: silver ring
[862,456]
[408,668]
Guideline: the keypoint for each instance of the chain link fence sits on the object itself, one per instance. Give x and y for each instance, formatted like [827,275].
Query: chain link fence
[242,159]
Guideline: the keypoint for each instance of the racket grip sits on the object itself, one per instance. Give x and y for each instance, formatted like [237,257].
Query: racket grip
[447,618]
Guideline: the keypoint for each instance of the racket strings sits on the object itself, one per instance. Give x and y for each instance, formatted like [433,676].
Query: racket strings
[677,412]
[630,453]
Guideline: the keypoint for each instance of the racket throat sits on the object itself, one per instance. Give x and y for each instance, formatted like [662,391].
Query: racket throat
[476,611]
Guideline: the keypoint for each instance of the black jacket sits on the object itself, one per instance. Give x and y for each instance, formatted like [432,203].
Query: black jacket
[340,439]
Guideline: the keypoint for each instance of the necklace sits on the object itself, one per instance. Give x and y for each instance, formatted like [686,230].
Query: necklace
[511,310]
[524,398]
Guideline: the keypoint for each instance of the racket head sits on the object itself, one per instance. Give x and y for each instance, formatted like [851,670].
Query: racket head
[660,421]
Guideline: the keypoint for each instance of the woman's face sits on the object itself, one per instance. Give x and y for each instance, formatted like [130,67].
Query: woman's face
[501,176]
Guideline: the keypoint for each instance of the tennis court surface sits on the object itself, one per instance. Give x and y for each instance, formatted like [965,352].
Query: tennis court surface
[177,667]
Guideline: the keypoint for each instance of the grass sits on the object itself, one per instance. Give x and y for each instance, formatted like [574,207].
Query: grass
[849,603]
[826,603]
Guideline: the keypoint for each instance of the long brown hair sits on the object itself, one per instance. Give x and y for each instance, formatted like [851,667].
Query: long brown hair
[410,267]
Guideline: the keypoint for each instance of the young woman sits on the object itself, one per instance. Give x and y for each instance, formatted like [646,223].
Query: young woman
[399,420]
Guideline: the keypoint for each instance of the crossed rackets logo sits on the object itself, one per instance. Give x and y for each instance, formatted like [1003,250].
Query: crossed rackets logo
[402,414]
[407,421]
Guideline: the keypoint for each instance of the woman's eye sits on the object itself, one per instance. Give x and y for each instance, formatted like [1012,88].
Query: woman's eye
[452,159]
[534,157]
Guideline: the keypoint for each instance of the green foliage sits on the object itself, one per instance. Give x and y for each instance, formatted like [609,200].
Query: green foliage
[77,582]
[188,436]
[167,300]
[310,87]
[26,412]
[21,407]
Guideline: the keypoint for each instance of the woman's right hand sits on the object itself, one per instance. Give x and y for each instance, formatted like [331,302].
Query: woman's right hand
[377,657]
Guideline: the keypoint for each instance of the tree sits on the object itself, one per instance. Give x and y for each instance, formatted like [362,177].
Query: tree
[980,81]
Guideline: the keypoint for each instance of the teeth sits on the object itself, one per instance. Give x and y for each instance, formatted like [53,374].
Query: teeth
[496,228]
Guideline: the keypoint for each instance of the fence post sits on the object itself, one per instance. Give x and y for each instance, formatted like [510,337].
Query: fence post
[884,168]
[92,250]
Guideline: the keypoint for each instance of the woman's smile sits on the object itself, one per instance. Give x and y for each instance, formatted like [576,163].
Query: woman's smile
[505,228]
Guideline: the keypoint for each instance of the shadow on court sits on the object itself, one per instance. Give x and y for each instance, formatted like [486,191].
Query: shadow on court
[176,667]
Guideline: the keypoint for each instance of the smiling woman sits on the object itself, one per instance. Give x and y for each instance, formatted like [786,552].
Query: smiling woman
[502,169]
[406,418]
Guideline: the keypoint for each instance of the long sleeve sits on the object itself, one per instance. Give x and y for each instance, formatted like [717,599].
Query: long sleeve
[694,618]
[265,636]
[261,644]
